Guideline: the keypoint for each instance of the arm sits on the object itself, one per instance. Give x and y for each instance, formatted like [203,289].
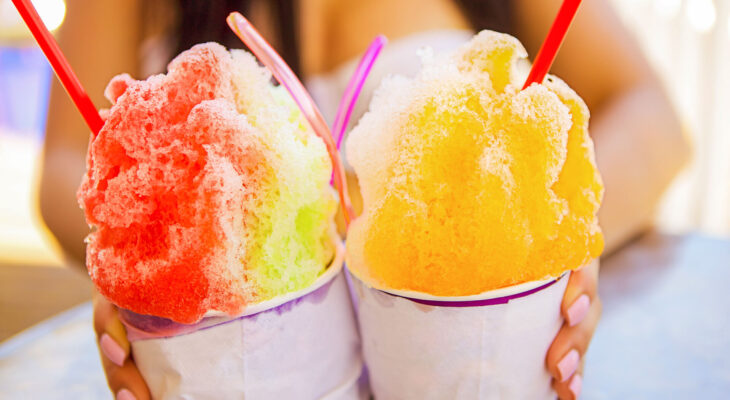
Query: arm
[639,148]
[639,143]
[99,38]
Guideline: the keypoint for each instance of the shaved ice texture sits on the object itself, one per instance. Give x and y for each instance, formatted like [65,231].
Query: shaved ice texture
[207,190]
[470,184]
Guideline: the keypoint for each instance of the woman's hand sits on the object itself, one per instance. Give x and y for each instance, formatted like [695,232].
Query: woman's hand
[581,309]
[122,375]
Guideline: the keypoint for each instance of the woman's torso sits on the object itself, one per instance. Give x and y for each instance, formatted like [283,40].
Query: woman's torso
[329,36]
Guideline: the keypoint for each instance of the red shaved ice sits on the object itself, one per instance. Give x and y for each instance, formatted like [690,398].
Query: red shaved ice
[180,183]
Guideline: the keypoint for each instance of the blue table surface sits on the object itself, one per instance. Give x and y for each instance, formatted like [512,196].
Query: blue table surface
[665,329]
[664,334]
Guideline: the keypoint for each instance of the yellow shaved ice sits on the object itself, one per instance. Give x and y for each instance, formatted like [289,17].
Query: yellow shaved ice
[469,183]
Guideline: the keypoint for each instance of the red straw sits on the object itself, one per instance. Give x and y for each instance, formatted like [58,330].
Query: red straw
[60,65]
[554,39]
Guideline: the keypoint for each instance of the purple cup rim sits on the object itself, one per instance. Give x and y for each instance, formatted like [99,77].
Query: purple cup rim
[170,328]
[475,302]
[166,328]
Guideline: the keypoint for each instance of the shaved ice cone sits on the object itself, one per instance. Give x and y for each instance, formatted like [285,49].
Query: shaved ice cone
[207,190]
[471,187]
[213,231]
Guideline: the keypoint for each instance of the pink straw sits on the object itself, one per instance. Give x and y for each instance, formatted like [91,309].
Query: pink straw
[250,36]
[354,87]
[549,48]
[60,65]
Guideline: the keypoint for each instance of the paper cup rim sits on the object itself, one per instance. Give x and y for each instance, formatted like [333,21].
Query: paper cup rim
[215,318]
[334,268]
[490,297]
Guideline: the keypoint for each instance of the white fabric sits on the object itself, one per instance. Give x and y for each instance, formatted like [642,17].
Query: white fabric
[398,57]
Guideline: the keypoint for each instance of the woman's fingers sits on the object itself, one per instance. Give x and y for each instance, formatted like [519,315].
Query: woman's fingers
[565,356]
[571,389]
[107,322]
[122,374]
[125,382]
[112,350]
[581,290]
[581,309]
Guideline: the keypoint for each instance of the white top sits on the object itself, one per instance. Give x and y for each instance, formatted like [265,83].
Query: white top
[399,57]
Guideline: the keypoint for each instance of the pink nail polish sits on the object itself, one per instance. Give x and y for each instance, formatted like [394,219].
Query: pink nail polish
[568,364]
[125,394]
[576,385]
[112,350]
[578,310]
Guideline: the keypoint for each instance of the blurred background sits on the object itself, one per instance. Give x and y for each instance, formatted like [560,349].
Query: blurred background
[29,260]
[688,42]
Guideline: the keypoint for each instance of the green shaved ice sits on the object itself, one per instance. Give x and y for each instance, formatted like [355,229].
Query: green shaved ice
[289,232]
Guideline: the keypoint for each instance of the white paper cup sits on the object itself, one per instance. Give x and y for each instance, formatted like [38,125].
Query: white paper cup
[301,346]
[487,346]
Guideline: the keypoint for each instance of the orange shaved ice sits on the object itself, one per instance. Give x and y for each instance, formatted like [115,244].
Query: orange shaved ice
[206,189]
[470,184]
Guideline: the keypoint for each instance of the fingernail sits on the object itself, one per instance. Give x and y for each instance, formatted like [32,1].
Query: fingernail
[568,364]
[576,385]
[578,310]
[112,350]
[125,394]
